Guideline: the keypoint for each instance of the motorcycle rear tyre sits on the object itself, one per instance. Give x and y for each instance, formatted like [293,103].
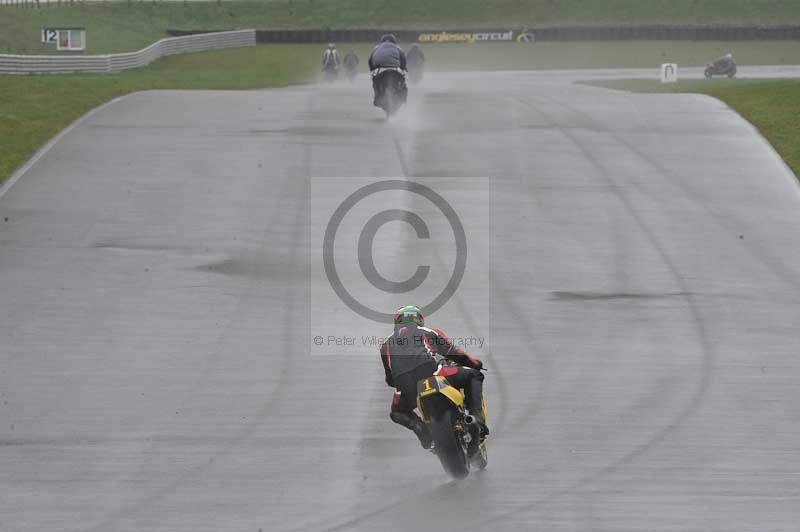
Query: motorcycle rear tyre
[448,448]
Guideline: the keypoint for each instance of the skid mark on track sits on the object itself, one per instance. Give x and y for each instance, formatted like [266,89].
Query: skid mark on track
[612,296]
[133,246]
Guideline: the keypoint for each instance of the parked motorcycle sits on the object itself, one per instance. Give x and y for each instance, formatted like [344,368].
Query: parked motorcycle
[456,434]
[724,66]
[391,90]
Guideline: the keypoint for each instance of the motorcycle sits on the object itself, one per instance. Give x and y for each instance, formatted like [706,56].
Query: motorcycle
[330,73]
[456,434]
[415,73]
[391,90]
[724,66]
[415,61]
[351,73]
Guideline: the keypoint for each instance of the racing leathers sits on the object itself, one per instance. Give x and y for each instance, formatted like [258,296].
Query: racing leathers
[416,59]
[350,61]
[413,353]
[386,55]
[330,59]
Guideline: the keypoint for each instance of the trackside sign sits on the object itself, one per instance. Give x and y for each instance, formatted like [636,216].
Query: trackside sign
[480,36]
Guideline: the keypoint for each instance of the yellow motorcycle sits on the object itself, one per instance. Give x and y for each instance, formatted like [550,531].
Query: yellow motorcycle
[456,434]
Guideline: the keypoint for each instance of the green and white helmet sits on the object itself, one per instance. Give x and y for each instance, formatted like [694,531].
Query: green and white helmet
[409,314]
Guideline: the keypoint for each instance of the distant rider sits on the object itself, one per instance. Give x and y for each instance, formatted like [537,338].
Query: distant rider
[413,353]
[351,60]
[330,59]
[387,54]
[416,59]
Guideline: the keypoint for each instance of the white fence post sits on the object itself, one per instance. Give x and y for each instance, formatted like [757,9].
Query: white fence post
[669,73]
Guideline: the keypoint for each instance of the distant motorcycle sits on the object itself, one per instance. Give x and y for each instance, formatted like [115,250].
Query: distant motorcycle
[330,73]
[391,90]
[415,73]
[350,73]
[456,434]
[724,66]
[350,66]
[415,60]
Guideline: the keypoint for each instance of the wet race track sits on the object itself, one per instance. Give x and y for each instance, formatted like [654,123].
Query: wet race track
[633,271]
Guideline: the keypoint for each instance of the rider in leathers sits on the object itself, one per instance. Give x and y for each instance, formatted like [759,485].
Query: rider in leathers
[415,58]
[330,59]
[411,354]
[386,55]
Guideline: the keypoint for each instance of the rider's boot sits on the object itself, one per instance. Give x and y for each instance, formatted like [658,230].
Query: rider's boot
[423,434]
[412,422]
[477,407]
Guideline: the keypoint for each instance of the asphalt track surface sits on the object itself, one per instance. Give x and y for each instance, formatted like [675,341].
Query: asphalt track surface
[643,276]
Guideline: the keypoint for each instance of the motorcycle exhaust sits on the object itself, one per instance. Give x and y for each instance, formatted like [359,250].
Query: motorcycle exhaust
[472,430]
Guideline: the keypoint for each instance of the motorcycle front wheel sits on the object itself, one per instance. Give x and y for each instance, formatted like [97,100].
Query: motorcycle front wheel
[448,448]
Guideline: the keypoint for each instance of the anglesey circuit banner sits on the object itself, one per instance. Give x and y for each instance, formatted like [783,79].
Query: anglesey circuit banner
[373,35]
[466,36]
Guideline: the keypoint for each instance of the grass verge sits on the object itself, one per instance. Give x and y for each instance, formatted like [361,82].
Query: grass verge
[773,106]
[125,26]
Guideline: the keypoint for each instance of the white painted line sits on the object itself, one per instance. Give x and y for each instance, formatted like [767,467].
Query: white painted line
[22,170]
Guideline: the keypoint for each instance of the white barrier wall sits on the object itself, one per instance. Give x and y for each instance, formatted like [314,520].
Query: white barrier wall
[59,64]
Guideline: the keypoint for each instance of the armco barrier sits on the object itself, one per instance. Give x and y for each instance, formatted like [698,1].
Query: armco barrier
[54,64]
[555,33]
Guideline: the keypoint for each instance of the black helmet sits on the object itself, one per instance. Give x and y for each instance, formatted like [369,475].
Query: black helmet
[389,37]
